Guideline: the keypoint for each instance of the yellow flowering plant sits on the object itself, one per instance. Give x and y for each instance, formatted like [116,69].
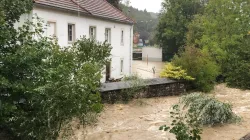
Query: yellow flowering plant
[175,72]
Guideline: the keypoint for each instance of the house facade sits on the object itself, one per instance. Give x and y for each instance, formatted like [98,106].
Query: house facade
[67,20]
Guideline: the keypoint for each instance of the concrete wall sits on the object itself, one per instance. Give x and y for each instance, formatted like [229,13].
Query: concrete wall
[154,54]
[82,23]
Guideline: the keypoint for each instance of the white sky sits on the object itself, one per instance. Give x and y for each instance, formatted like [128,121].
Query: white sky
[150,5]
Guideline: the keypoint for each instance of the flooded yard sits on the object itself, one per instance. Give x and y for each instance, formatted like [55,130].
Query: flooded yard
[145,69]
[141,119]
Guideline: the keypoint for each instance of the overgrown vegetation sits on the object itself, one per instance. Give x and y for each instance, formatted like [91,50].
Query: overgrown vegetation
[43,86]
[173,24]
[173,72]
[223,33]
[183,126]
[208,110]
[196,110]
[215,34]
[115,3]
[136,85]
[199,65]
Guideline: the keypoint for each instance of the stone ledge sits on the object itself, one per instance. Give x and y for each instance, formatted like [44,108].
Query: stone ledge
[126,85]
[113,92]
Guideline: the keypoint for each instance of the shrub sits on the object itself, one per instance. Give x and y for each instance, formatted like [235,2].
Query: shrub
[43,87]
[136,84]
[208,110]
[195,110]
[199,65]
[173,72]
[132,77]
[237,65]
[183,126]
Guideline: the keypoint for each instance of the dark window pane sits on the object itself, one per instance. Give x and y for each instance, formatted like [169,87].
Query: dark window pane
[70,32]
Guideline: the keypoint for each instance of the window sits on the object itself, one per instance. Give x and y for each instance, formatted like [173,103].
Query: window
[122,37]
[71,32]
[108,35]
[122,63]
[51,29]
[92,32]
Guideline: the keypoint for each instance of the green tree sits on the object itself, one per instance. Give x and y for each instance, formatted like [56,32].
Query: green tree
[200,65]
[43,86]
[237,65]
[146,22]
[222,31]
[115,3]
[173,24]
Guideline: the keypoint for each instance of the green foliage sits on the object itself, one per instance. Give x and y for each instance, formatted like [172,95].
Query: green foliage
[208,110]
[195,110]
[173,72]
[199,65]
[136,84]
[132,77]
[115,3]
[146,22]
[43,86]
[222,32]
[218,29]
[238,66]
[13,9]
[173,24]
[184,127]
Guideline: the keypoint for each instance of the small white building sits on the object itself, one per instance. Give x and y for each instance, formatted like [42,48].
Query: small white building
[152,54]
[67,20]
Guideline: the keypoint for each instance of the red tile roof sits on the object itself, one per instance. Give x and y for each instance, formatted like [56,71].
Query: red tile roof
[96,8]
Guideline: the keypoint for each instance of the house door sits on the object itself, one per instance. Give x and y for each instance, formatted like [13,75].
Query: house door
[108,71]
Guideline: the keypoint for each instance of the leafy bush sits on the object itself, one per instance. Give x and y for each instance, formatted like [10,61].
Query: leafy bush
[132,77]
[199,65]
[228,44]
[184,127]
[208,110]
[237,66]
[136,84]
[195,110]
[173,72]
[43,87]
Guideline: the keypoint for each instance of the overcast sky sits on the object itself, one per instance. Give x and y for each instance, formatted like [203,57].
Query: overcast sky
[150,5]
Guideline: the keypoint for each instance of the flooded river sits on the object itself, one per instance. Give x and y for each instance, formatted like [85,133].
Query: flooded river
[141,119]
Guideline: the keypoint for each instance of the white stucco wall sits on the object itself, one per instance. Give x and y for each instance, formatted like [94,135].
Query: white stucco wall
[152,54]
[82,24]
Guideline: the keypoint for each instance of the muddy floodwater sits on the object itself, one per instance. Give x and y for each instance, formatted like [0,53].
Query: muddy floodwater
[141,119]
[145,69]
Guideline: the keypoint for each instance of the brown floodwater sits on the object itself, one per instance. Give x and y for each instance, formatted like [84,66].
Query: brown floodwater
[141,119]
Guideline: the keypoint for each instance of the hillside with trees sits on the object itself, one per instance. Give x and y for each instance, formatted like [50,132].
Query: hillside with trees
[146,22]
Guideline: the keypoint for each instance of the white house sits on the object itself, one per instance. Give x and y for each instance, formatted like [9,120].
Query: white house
[69,19]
